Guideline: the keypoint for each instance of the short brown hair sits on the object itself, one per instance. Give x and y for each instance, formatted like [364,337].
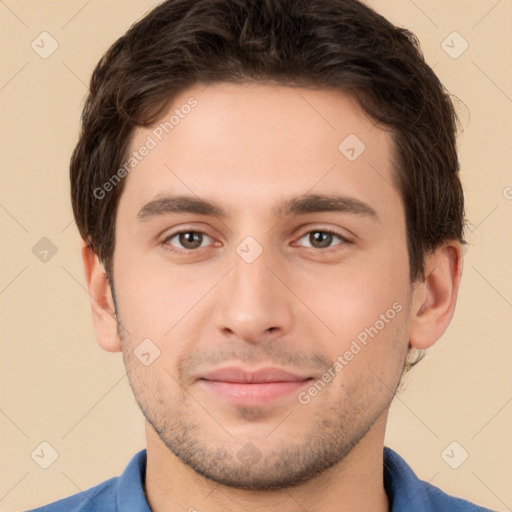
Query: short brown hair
[301,43]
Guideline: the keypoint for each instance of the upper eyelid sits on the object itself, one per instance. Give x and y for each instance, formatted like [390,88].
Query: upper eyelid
[166,234]
[343,238]
[176,233]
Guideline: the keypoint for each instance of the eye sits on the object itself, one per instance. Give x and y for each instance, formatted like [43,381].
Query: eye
[187,240]
[322,238]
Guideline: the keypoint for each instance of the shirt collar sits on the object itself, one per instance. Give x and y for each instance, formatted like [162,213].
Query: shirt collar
[404,489]
[130,486]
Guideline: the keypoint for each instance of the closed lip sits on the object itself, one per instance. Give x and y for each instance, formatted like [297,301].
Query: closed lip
[239,375]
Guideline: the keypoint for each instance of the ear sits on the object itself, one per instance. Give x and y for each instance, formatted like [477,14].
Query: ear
[102,303]
[434,298]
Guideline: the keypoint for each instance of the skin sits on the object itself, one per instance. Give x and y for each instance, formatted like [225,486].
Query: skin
[248,148]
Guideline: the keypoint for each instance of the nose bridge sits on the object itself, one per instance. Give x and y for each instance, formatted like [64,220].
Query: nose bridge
[255,301]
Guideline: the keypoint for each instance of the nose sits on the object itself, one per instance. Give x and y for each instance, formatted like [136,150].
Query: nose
[254,303]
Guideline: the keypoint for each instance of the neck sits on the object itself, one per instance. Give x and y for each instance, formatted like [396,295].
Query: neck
[355,483]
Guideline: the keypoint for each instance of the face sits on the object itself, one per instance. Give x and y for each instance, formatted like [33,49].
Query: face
[261,254]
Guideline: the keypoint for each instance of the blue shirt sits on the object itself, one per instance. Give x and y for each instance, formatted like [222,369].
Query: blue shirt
[406,492]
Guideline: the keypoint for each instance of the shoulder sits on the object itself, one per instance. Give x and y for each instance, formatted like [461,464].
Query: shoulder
[407,492]
[100,497]
[120,493]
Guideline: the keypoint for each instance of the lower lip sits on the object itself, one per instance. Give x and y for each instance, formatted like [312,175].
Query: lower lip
[255,395]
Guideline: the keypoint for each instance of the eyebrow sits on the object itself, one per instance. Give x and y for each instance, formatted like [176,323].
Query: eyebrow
[301,205]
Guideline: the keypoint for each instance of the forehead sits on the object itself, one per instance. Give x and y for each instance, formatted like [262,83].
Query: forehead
[250,145]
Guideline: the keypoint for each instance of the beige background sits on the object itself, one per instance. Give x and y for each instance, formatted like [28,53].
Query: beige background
[58,386]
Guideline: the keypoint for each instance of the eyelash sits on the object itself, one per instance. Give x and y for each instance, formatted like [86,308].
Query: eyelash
[344,241]
[170,248]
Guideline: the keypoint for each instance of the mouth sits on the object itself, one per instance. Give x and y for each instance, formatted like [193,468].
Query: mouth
[252,388]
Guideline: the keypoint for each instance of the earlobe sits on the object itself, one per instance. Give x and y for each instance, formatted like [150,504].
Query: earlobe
[435,298]
[102,304]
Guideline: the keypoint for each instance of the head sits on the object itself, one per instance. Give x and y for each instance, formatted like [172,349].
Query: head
[306,153]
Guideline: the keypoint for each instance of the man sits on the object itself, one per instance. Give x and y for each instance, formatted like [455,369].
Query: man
[272,218]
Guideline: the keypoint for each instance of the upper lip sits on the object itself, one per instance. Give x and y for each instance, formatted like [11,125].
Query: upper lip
[262,375]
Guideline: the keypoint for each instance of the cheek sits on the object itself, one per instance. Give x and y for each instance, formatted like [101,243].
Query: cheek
[157,300]
[365,310]
[369,352]
[152,384]
[350,297]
